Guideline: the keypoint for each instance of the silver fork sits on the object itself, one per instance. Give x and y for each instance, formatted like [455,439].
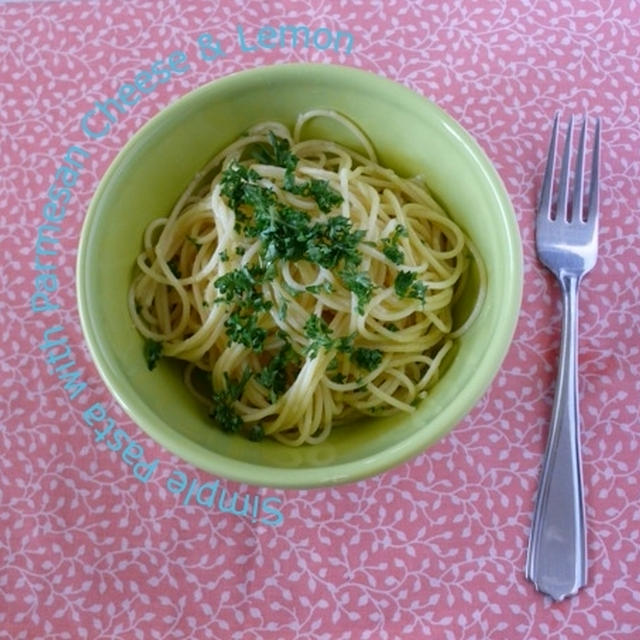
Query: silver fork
[567,244]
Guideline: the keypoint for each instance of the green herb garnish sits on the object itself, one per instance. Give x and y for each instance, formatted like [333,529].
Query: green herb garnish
[280,155]
[319,334]
[255,433]
[235,180]
[323,287]
[390,246]
[287,233]
[238,288]
[366,358]
[152,351]
[325,196]
[407,286]
[359,283]
[274,376]
[345,343]
[223,411]
[173,264]
[334,241]
[226,417]
[243,328]
[282,310]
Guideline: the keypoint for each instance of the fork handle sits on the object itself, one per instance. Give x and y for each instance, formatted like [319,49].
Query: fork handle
[556,559]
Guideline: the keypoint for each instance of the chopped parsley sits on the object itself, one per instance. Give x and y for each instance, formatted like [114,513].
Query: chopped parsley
[223,411]
[282,310]
[323,287]
[325,196]
[366,358]
[319,334]
[345,344]
[359,283]
[407,286]
[243,328]
[287,233]
[173,264]
[255,433]
[239,286]
[280,155]
[390,246]
[225,415]
[236,180]
[274,376]
[152,351]
[334,241]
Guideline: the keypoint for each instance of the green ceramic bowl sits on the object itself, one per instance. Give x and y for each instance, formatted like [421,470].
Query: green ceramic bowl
[411,135]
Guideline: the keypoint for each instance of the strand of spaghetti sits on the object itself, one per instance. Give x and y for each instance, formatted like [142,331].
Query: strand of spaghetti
[334,115]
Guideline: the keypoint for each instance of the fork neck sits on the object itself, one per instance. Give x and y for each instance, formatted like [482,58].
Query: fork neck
[569,284]
[569,281]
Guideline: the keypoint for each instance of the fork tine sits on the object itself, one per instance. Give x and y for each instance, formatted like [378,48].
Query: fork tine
[563,184]
[544,206]
[578,177]
[592,211]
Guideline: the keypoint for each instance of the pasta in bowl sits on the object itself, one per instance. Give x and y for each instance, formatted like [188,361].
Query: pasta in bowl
[308,284]
[324,302]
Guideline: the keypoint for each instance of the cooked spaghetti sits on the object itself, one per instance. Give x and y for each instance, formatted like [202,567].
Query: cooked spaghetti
[303,283]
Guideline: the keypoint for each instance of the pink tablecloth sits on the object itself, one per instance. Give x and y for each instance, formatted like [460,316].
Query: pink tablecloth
[434,548]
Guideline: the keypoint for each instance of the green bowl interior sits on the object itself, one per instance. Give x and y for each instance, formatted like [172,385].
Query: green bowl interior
[411,135]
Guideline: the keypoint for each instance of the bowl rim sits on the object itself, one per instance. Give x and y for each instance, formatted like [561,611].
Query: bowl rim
[331,474]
